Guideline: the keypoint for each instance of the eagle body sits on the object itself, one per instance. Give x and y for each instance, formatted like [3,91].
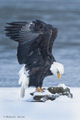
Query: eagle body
[35,43]
[38,74]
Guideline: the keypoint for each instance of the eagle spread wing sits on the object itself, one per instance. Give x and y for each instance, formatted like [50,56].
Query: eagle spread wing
[35,41]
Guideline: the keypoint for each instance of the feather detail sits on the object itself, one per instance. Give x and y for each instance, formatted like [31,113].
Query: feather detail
[23,80]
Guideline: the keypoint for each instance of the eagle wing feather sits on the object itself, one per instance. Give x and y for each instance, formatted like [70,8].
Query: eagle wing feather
[34,46]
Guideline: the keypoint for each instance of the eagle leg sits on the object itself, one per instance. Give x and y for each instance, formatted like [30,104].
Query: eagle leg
[39,89]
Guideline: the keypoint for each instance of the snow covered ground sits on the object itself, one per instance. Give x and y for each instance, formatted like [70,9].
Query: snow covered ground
[12,107]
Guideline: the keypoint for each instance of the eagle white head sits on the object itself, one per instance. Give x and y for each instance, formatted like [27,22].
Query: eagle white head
[57,69]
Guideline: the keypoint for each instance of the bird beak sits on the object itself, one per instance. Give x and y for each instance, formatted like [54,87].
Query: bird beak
[58,75]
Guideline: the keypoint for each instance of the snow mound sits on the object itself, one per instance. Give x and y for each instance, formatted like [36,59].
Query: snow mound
[62,85]
[51,93]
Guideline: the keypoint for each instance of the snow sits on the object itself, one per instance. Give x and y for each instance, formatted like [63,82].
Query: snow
[62,85]
[12,107]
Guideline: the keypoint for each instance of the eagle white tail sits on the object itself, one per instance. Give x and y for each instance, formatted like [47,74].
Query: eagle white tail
[23,80]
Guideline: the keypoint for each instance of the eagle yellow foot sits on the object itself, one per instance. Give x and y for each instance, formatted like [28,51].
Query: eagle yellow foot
[39,89]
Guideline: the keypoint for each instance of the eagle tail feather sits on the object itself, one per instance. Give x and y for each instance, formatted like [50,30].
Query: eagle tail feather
[24,80]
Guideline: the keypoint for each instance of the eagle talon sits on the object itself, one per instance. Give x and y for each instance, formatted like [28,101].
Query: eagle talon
[39,89]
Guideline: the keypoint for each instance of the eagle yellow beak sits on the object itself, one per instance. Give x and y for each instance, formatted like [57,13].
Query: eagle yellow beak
[58,75]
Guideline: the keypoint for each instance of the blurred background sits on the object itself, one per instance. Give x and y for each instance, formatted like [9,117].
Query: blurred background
[63,14]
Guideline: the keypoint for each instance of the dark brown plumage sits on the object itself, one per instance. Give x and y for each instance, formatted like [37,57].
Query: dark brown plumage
[35,42]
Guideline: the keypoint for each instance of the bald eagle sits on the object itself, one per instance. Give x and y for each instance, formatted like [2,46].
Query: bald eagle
[35,43]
